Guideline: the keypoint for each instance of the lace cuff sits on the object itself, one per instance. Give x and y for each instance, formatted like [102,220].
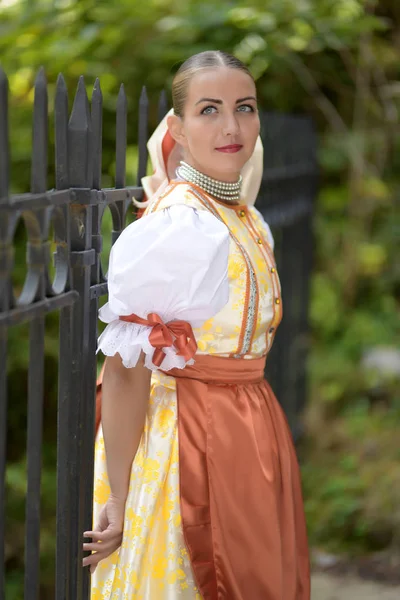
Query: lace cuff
[129,339]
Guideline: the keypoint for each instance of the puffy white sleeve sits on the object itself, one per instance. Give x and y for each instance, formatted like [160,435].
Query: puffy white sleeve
[173,263]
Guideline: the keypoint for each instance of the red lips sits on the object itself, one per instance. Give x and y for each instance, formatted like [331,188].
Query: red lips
[230,148]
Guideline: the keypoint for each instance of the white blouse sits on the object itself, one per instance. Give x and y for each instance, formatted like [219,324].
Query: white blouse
[173,262]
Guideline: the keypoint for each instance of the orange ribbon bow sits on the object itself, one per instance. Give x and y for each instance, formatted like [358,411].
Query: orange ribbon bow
[174,333]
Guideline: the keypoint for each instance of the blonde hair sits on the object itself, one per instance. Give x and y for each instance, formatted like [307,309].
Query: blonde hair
[203,60]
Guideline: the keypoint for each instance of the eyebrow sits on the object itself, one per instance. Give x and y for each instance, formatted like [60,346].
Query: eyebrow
[217,101]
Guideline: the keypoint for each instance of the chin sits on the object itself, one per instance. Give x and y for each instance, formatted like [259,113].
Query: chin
[231,164]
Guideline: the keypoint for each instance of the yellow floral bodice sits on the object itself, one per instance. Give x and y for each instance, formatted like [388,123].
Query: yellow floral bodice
[246,326]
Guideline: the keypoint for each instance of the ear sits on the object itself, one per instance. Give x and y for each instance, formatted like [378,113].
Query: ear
[176,129]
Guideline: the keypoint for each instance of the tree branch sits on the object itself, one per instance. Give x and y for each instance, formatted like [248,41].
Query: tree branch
[310,84]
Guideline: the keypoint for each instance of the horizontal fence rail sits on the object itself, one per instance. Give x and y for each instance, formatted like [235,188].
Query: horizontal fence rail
[65,276]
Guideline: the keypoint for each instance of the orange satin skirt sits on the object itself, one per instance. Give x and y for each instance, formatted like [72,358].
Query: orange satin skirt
[240,492]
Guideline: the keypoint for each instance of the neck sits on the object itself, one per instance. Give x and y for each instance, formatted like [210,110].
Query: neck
[226,191]
[216,175]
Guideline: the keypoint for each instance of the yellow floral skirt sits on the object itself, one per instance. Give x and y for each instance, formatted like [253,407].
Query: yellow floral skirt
[152,562]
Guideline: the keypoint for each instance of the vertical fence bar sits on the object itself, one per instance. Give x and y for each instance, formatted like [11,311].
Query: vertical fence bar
[121,144]
[287,195]
[89,357]
[308,244]
[89,410]
[288,326]
[34,457]
[37,263]
[61,133]
[40,135]
[63,545]
[80,140]
[143,135]
[274,371]
[3,444]
[121,132]
[97,127]
[305,242]
[162,105]
[4,303]
[89,419]
[80,159]
[4,142]
[63,542]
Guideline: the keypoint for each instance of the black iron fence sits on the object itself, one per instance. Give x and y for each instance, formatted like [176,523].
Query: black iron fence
[286,200]
[65,276]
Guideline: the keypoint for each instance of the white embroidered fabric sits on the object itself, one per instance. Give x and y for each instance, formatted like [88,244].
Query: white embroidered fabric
[173,263]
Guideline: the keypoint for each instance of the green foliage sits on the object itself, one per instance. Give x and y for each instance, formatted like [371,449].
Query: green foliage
[351,472]
[291,47]
[352,481]
[337,60]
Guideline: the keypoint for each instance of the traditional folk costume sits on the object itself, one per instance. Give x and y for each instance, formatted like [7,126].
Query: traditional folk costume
[214,509]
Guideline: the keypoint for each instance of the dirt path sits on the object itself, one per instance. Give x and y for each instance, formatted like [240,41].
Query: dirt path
[328,587]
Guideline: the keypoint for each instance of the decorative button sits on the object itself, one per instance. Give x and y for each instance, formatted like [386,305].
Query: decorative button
[277,300]
[242,213]
[259,241]
[273,269]
[271,329]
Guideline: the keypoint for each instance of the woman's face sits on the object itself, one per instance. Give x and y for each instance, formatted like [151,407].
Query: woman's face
[220,125]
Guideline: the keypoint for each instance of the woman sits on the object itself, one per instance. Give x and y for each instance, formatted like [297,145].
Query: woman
[197,491]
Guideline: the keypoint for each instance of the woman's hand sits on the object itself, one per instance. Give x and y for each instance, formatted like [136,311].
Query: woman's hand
[107,535]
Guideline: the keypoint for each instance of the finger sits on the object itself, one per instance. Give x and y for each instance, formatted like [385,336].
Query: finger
[90,534]
[96,557]
[93,559]
[96,536]
[98,529]
[97,547]
[102,547]
[104,536]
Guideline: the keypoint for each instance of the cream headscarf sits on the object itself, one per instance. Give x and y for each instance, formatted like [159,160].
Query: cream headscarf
[166,154]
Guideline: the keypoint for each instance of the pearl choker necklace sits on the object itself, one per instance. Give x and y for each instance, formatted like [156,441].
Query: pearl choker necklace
[223,190]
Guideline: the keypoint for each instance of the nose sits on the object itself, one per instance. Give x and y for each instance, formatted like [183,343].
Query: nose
[230,125]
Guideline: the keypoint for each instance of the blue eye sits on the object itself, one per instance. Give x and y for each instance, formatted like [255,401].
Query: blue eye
[207,110]
[248,108]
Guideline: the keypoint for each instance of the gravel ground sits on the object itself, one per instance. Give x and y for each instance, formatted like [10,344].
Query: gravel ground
[330,587]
